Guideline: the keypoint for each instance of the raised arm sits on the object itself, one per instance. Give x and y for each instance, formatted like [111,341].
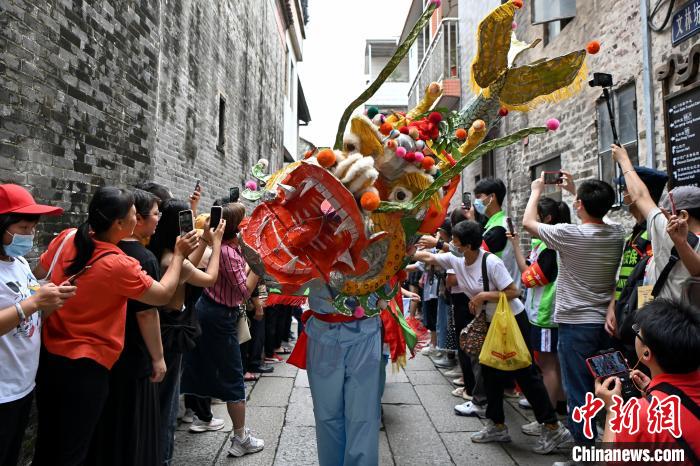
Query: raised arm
[425,257]
[530,222]
[639,194]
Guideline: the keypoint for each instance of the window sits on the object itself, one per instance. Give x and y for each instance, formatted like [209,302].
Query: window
[222,124]
[552,164]
[545,11]
[553,28]
[488,167]
[624,101]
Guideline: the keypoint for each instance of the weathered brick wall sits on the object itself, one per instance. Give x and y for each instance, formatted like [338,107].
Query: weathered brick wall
[116,92]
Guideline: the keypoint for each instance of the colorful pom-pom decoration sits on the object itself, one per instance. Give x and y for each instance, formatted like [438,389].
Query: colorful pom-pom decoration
[461,134]
[369,201]
[435,117]
[326,158]
[385,129]
[517,3]
[479,125]
[414,133]
[418,156]
[436,3]
[251,185]
[391,144]
[502,111]
[359,312]
[553,124]
[403,130]
[410,157]
[427,151]
[593,47]
[372,112]
[400,152]
[514,25]
[427,163]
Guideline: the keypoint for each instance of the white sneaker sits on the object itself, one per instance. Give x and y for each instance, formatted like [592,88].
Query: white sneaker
[458,392]
[428,351]
[459,382]
[551,439]
[188,417]
[457,372]
[523,403]
[534,428]
[470,409]
[249,444]
[201,426]
[491,433]
[466,396]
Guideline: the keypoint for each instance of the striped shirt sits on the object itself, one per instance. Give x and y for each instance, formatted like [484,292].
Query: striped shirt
[230,288]
[589,257]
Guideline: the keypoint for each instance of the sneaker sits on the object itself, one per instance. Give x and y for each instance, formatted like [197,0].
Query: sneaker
[444,362]
[202,426]
[491,433]
[428,351]
[511,393]
[458,392]
[459,382]
[466,396]
[457,372]
[249,444]
[263,369]
[188,417]
[523,403]
[534,428]
[438,354]
[470,409]
[551,439]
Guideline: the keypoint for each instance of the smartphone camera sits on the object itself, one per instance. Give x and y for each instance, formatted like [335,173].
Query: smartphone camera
[467,200]
[233,194]
[215,216]
[553,177]
[186,220]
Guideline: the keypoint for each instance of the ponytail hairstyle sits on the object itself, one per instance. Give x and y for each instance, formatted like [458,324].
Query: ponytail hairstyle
[107,205]
[559,211]
[168,228]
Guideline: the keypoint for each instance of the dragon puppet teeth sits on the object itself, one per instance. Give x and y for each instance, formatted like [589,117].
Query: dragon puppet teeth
[346,258]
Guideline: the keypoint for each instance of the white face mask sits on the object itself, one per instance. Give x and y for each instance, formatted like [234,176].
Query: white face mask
[454,250]
[480,207]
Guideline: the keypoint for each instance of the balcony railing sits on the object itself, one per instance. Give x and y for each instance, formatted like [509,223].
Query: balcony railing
[440,62]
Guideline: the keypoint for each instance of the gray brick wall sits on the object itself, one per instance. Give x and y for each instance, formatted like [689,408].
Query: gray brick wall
[116,92]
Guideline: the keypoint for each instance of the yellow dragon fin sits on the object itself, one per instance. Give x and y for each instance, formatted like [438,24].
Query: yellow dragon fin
[363,136]
[432,93]
[493,39]
[477,133]
[553,80]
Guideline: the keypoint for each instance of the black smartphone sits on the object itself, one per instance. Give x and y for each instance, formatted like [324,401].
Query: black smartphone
[233,194]
[197,187]
[215,216]
[74,277]
[553,177]
[511,228]
[467,200]
[186,220]
[609,364]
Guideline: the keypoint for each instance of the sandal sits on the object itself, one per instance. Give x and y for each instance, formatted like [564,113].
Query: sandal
[250,377]
[284,350]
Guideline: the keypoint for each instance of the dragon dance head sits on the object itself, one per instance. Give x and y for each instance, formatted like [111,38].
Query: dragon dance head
[343,218]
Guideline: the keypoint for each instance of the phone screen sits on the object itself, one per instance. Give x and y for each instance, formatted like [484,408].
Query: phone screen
[511,228]
[467,200]
[608,364]
[233,194]
[186,222]
[196,186]
[215,216]
[552,177]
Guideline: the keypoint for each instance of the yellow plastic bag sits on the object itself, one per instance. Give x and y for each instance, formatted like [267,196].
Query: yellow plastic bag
[504,347]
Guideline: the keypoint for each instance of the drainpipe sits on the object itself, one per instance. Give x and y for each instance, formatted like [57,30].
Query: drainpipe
[647,77]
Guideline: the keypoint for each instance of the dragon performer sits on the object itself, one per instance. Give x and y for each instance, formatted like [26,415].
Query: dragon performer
[338,224]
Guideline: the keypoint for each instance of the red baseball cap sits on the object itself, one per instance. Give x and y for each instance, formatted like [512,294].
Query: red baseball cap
[17,200]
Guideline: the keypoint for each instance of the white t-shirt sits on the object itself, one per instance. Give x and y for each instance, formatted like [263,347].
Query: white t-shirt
[455,289]
[19,348]
[471,281]
[661,244]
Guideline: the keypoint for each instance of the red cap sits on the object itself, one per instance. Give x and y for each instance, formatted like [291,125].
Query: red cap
[17,200]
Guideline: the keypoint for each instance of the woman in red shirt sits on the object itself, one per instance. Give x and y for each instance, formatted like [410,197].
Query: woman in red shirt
[83,339]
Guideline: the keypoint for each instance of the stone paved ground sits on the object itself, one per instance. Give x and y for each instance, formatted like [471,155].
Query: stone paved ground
[419,425]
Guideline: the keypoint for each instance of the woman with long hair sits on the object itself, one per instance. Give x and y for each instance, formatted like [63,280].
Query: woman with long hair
[214,368]
[539,277]
[85,337]
[178,323]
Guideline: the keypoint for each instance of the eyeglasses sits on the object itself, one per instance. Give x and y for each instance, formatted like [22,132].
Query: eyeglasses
[159,215]
[636,330]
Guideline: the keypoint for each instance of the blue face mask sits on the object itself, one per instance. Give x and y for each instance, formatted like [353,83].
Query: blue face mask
[20,245]
[480,207]
[455,251]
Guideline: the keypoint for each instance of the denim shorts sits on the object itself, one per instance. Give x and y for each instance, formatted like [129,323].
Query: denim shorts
[214,368]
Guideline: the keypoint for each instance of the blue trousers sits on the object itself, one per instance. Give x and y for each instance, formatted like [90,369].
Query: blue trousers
[344,364]
[442,319]
[577,342]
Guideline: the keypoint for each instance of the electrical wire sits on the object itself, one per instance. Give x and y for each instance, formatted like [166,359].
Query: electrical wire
[655,11]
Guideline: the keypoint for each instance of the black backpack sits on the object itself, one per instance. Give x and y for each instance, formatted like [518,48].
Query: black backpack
[626,306]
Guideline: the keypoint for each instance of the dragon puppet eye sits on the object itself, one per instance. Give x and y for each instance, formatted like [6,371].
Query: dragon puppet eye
[400,194]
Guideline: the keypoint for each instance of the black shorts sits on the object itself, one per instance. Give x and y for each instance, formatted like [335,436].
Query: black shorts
[430,309]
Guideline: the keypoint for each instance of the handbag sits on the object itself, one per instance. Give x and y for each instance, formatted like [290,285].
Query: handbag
[243,327]
[471,338]
[504,347]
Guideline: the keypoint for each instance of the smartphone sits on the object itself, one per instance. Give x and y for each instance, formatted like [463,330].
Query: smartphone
[467,200]
[73,278]
[511,228]
[673,204]
[609,364]
[553,177]
[186,220]
[233,194]
[215,216]
[197,187]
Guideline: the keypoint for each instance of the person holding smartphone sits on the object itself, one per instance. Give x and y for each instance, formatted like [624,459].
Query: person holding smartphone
[23,306]
[178,322]
[84,338]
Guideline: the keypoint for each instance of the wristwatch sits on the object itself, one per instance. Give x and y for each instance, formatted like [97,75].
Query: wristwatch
[440,243]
